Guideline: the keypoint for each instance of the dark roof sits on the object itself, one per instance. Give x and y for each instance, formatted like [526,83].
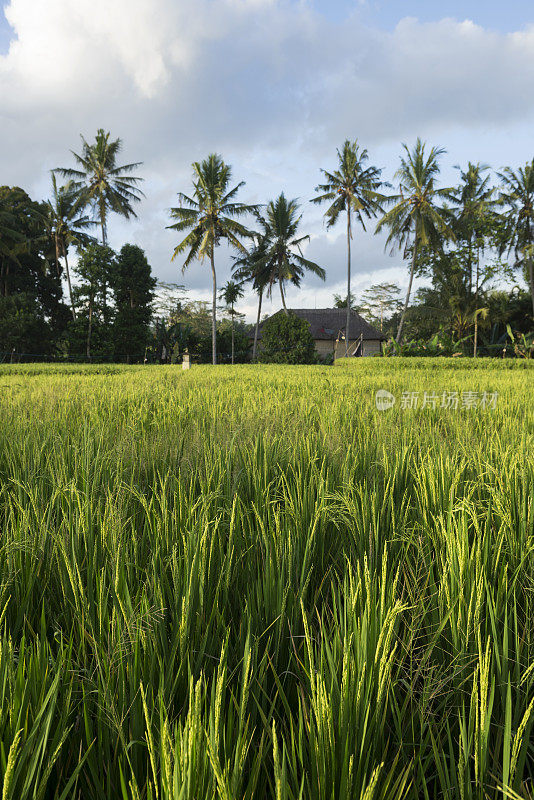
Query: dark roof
[326,323]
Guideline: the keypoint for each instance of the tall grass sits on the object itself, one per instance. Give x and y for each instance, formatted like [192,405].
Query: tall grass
[249,583]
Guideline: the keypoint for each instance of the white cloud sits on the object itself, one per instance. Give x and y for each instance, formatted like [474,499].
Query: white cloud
[271,84]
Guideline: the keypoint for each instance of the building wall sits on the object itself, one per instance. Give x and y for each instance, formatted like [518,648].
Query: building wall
[324,347]
[370,347]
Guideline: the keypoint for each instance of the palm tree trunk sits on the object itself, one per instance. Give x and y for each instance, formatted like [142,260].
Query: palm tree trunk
[89,328]
[232,313]
[347,324]
[255,346]
[103,225]
[470,266]
[475,343]
[69,283]
[531,281]
[282,295]
[104,243]
[214,311]
[57,256]
[408,293]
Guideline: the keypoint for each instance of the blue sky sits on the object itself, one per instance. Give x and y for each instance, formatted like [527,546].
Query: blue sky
[501,16]
[275,86]
[6,33]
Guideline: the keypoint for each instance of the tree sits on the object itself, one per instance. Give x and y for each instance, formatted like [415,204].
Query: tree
[23,328]
[517,195]
[287,339]
[473,209]
[103,185]
[281,255]
[12,240]
[241,341]
[25,268]
[231,292]
[66,224]
[380,300]
[133,288]
[94,269]
[254,267]
[353,189]
[21,229]
[341,302]
[415,220]
[471,203]
[210,215]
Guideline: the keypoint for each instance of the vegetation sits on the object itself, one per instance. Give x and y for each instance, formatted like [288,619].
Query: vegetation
[255,269]
[379,302]
[210,216]
[518,196]
[472,243]
[352,189]
[287,339]
[67,224]
[133,289]
[219,584]
[103,184]
[415,221]
[231,292]
[279,253]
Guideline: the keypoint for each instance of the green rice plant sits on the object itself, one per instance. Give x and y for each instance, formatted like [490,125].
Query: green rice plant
[249,582]
[35,711]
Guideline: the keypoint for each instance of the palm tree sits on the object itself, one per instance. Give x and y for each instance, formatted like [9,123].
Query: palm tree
[518,195]
[66,223]
[415,220]
[352,188]
[231,292]
[104,185]
[473,206]
[471,203]
[281,256]
[210,215]
[254,268]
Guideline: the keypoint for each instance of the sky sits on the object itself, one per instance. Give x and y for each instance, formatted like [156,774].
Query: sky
[274,86]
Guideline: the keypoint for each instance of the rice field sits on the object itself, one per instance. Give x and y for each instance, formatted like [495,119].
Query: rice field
[249,582]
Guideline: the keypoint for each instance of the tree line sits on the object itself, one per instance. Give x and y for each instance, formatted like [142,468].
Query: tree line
[460,237]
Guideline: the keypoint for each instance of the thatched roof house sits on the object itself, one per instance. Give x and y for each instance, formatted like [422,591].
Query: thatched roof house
[327,326]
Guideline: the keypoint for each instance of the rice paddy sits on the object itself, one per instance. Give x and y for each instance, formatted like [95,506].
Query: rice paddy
[249,582]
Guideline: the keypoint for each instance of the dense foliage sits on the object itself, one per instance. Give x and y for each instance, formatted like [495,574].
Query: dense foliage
[63,298]
[287,339]
[250,583]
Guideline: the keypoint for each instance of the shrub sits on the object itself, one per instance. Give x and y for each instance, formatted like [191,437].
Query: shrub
[287,339]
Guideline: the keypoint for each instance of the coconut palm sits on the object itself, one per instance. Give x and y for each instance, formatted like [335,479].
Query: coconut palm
[415,220]
[471,203]
[473,207]
[104,185]
[253,267]
[352,189]
[281,254]
[66,224]
[210,215]
[517,195]
[231,292]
